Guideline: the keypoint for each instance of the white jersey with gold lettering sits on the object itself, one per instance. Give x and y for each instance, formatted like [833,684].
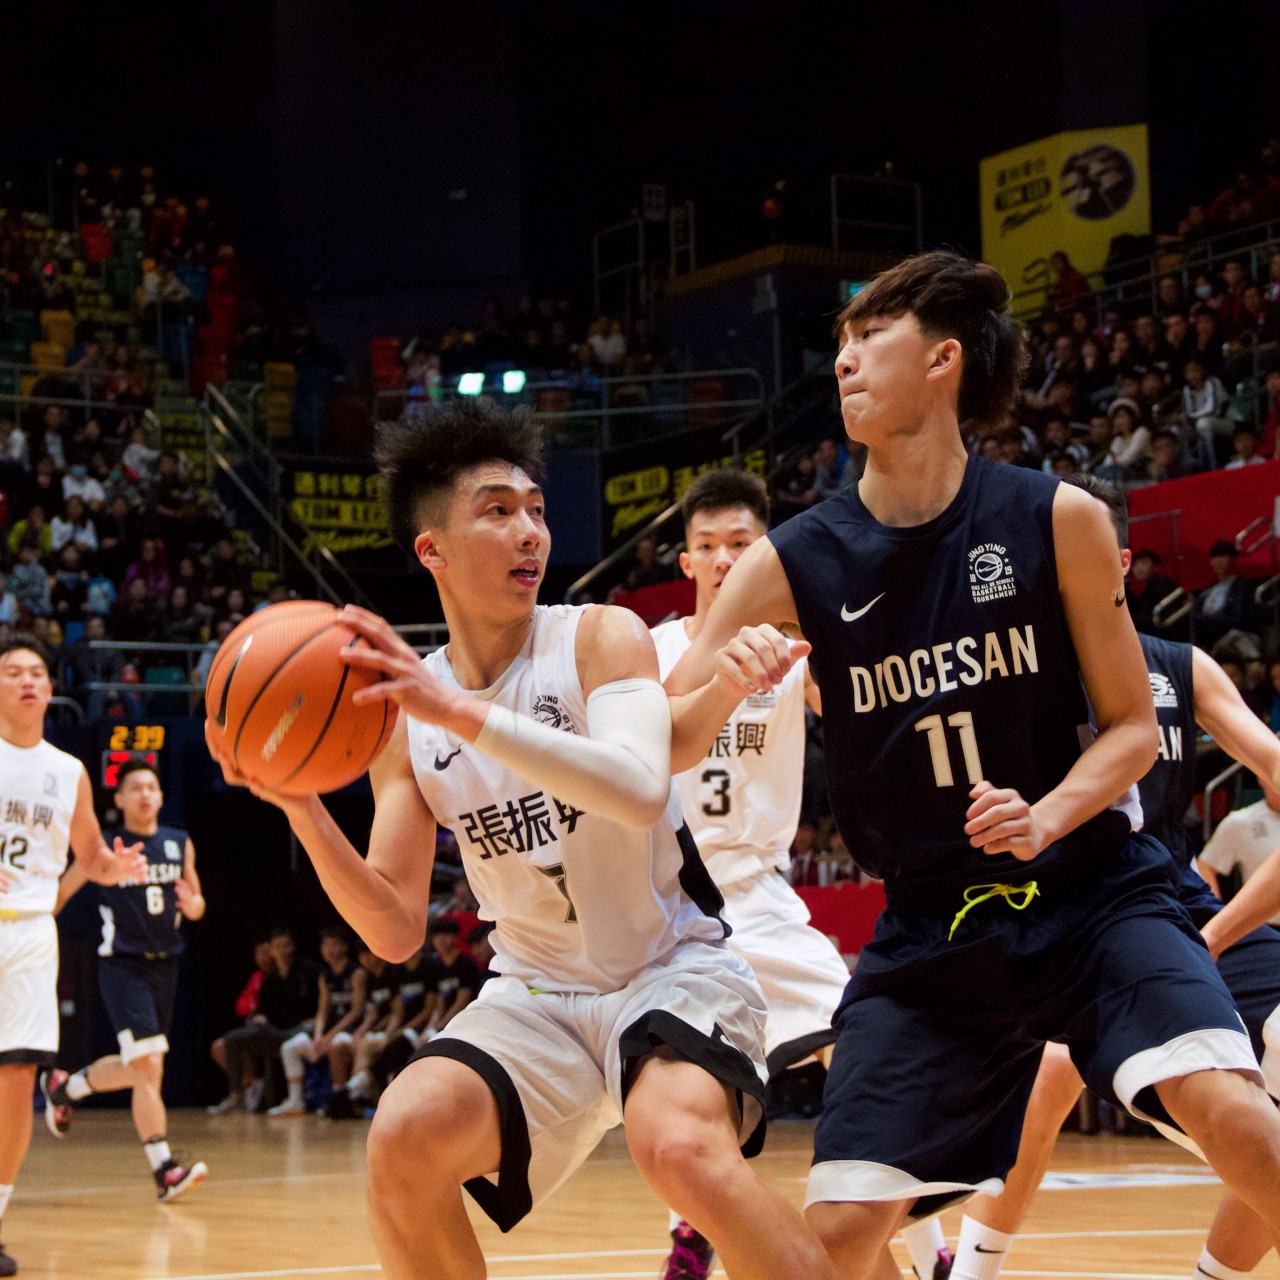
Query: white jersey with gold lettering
[581,904]
[743,800]
[38,787]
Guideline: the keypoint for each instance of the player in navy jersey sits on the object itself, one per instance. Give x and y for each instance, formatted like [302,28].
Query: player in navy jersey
[959,612]
[138,977]
[1188,689]
[46,809]
[542,737]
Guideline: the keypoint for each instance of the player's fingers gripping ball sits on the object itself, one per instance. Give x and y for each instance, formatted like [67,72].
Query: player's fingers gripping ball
[279,702]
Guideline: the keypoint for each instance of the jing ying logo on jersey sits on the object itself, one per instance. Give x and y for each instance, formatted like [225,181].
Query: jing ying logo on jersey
[547,710]
[990,573]
[1163,693]
[173,851]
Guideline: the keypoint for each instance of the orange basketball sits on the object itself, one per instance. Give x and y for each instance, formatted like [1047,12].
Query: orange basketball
[279,694]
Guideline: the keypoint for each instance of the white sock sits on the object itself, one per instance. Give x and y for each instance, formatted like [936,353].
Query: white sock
[358,1082]
[1208,1268]
[78,1085]
[5,1193]
[157,1153]
[924,1241]
[673,1220]
[980,1252]
[295,1090]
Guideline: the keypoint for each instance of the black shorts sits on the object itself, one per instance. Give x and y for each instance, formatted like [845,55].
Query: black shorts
[139,998]
[1251,970]
[938,1042]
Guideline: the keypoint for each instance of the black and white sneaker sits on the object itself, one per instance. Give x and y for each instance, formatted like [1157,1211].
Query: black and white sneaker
[57,1106]
[174,1179]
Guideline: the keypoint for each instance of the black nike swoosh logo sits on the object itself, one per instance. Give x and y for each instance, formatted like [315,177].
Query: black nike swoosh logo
[1118,599]
[977,1248]
[444,764]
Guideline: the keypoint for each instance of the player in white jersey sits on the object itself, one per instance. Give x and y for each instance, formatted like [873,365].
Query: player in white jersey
[46,804]
[543,738]
[742,801]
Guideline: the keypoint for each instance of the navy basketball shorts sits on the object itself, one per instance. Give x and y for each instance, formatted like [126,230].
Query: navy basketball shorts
[139,996]
[1251,970]
[937,1050]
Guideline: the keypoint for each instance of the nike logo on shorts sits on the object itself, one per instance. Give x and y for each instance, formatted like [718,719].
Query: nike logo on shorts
[857,613]
[444,764]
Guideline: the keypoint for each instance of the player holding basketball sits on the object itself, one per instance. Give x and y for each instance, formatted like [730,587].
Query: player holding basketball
[955,607]
[1188,689]
[542,737]
[742,803]
[138,977]
[46,805]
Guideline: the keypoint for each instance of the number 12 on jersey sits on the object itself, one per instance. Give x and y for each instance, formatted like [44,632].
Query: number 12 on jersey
[941,755]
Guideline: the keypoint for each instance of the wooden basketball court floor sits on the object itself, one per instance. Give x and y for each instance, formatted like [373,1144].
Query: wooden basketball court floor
[285,1198]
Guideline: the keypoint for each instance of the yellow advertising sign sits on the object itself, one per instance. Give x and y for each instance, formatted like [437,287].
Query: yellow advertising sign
[1072,193]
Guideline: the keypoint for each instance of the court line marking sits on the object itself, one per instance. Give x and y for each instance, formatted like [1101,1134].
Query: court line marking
[43,1193]
[646,1275]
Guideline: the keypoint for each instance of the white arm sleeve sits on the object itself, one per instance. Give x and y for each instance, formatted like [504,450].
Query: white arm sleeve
[622,771]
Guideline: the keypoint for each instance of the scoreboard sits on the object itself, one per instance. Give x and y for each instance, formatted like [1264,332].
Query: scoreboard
[128,742]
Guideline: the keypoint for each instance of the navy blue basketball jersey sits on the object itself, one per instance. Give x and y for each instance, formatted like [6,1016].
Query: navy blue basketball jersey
[341,991]
[1170,784]
[143,919]
[943,657]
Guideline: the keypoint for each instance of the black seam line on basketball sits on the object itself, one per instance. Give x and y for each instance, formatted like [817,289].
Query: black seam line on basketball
[220,719]
[266,684]
[328,720]
[377,742]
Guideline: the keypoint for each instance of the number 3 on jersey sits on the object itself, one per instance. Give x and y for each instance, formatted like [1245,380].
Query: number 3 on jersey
[940,753]
[716,805]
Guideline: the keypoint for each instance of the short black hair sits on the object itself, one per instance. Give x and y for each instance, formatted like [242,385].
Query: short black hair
[25,640]
[1223,548]
[421,460]
[724,489]
[1117,504]
[445,924]
[954,297]
[480,932]
[336,931]
[134,766]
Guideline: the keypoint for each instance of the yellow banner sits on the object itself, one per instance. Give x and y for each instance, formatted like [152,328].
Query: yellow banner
[1070,193]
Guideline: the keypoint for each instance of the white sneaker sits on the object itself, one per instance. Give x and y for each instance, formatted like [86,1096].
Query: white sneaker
[289,1107]
[225,1107]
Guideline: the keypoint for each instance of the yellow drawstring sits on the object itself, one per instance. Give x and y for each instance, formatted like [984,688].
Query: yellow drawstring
[977,893]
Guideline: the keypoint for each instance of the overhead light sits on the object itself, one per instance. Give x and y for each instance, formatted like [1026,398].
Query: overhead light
[513,381]
[470,384]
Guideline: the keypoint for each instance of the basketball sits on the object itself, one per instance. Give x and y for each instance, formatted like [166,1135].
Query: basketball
[279,695]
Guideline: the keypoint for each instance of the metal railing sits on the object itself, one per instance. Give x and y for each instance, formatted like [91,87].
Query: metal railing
[775,418]
[229,442]
[1138,279]
[1231,771]
[600,408]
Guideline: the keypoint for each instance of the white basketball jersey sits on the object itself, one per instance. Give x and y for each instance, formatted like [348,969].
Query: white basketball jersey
[581,903]
[38,788]
[743,800]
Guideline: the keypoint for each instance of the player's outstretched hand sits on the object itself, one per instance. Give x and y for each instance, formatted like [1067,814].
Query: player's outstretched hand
[123,864]
[1001,821]
[217,745]
[405,681]
[757,659]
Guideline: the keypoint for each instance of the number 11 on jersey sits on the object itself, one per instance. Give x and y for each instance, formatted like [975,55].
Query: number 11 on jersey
[939,752]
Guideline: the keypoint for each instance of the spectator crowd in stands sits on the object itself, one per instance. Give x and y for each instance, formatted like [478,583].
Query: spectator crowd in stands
[352,1015]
